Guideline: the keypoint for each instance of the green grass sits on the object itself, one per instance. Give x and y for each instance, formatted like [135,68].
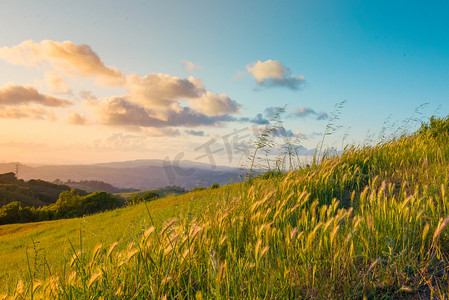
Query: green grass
[371,223]
[51,238]
[162,192]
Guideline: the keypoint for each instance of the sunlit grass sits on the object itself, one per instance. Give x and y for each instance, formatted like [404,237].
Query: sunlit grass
[51,239]
[371,222]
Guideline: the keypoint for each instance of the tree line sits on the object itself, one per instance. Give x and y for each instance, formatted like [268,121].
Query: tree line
[38,200]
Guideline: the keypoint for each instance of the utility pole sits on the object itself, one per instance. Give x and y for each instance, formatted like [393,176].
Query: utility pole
[17,170]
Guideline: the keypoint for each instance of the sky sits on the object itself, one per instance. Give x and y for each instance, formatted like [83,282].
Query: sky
[100,81]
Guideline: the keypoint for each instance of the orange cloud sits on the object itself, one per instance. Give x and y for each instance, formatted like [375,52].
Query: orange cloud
[214,104]
[160,89]
[151,101]
[163,94]
[119,111]
[159,132]
[56,83]
[16,95]
[25,113]
[75,118]
[66,57]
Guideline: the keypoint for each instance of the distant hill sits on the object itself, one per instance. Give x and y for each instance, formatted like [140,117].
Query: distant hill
[137,174]
[91,186]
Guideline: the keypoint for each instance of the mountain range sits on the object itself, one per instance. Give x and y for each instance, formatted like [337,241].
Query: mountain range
[136,174]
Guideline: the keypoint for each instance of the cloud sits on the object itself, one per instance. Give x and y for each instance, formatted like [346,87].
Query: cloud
[164,95]
[259,119]
[194,132]
[121,112]
[16,95]
[189,66]
[322,116]
[303,112]
[160,132]
[315,134]
[214,104]
[87,95]
[23,112]
[282,132]
[20,102]
[56,83]
[152,101]
[65,57]
[272,73]
[269,112]
[75,118]
[161,89]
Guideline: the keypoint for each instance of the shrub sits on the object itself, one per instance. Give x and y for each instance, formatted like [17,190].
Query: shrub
[435,127]
[216,185]
[73,204]
[11,213]
[142,198]
[99,201]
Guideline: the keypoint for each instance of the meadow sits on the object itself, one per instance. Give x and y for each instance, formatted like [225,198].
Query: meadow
[369,223]
[47,244]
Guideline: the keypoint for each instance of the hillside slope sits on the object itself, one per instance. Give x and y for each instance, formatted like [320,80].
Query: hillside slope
[370,222]
[47,244]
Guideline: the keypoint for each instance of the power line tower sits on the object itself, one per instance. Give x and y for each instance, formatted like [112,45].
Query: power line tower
[17,170]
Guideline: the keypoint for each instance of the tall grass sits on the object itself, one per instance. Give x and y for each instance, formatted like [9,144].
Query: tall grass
[370,222]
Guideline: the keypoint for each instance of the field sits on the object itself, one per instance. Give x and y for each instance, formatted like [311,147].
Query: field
[162,192]
[371,222]
[49,242]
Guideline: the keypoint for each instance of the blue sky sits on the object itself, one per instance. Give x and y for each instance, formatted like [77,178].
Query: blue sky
[385,58]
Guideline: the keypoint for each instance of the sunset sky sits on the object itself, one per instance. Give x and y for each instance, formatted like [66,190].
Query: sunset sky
[99,81]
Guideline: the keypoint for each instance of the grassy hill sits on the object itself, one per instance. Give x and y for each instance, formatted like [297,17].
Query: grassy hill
[162,192]
[47,244]
[370,222]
